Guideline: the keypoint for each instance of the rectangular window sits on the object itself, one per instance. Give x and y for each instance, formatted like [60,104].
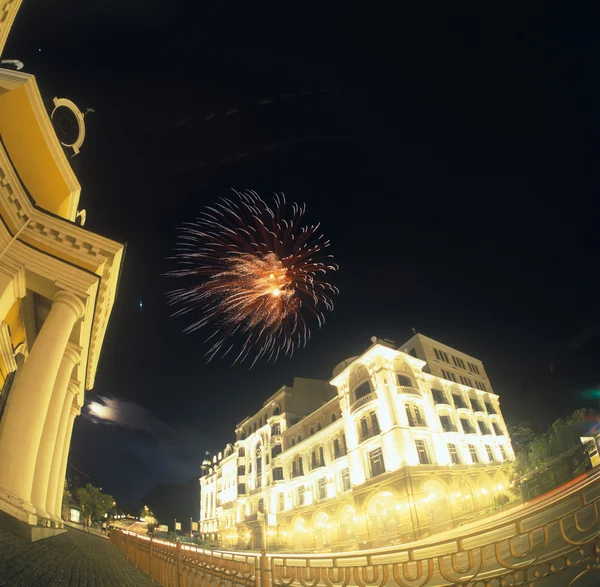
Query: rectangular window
[490,408]
[437,355]
[280,502]
[483,427]
[276,430]
[300,495]
[473,453]
[503,453]
[364,428]
[414,415]
[447,424]
[422,451]
[241,452]
[241,470]
[462,380]
[497,429]
[455,361]
[321,488]
[375,423]
[376,463]
[459,401]
[454,456]
[438,396]
[345,479]
[490,453]
[278,474]
[445,357]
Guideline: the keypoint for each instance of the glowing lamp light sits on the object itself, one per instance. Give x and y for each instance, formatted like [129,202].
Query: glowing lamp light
[500,487]
[458,494]
[484,491]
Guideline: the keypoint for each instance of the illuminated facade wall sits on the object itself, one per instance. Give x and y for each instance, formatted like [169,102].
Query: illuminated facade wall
[391,451]
[58,283]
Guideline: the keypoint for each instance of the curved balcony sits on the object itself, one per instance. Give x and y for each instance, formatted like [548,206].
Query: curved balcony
[409,391]
[363,401]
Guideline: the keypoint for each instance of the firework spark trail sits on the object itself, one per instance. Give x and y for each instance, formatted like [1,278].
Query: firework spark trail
[259,276]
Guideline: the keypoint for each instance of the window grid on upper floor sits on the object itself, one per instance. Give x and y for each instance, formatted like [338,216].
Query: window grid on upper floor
[413,413]
[503,453]
[490,453]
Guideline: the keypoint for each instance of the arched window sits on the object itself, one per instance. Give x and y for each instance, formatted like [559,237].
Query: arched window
[293,442]
[333,418]
[404,381]
[362,390]
[312,431]
[319,427]
[299,438]
[260,423]
[276,411]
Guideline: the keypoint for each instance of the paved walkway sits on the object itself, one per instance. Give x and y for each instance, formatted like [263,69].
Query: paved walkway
[73,559]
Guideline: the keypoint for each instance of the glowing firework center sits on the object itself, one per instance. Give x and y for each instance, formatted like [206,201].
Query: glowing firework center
[405,442]
[256,275]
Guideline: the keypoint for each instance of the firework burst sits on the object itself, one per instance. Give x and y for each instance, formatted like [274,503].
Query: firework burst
[258,276]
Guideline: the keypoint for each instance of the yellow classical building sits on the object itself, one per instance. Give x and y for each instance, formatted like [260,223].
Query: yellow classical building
[403,442]
[57,289]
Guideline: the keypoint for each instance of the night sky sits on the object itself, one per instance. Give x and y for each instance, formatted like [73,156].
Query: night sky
[450,155]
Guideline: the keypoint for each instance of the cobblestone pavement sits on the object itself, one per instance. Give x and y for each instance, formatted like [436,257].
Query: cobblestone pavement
[72,559]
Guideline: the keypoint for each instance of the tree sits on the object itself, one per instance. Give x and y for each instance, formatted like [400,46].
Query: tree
[93,502]
[536,451]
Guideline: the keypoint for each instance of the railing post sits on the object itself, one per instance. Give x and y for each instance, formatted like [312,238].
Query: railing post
[265,570]
[150,559]
[179,566]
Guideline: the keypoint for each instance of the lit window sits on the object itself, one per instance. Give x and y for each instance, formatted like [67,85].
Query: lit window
[345,479]
[321,488]
[422,451]
[454,456]
[376,463]
[473,453]
[490,453]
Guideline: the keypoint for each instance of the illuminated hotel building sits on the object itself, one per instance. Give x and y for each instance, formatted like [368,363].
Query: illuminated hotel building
[58,284]
[403,442]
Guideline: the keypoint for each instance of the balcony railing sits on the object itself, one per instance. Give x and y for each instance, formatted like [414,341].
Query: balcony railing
[362,401]
[409,391]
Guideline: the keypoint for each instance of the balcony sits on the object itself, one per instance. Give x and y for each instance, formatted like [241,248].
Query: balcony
[317,465]
[362,401]
[296,474]
[477,407]
[409,391]
[491,410]
[449,428]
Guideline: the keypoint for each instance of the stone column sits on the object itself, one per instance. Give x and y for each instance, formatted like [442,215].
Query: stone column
[73,412]
[23,422]
[49,442]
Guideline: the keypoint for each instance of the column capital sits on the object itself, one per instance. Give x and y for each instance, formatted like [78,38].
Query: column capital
[75,411]
[73,353]
[70,300]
